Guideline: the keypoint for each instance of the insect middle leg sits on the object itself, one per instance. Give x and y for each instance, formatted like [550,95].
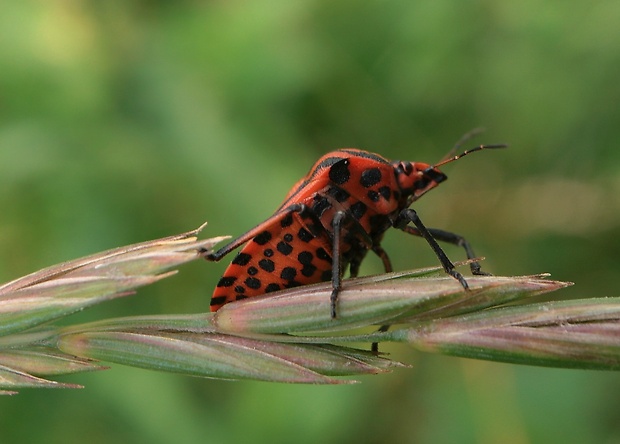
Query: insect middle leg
[357,231]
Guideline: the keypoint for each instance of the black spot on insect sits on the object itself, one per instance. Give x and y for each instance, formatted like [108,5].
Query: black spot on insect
[339,172]
[321,205]
[226,281]
[338,193]
[358,209]
[268,252]
[292,284]
[288,237]
[284,248]
[240,297]
[386,192]
[373,195]
[242,259]
[253,283]
[218,300]
[287,221]
[329,161]
[370,177]
[305,257]
[315,229]
[305,235]
[271,287]
[288,273]
[421,183]
[379,223]
[435,176]
[308,270]
[252,271]
[267,265]
[263,238]
[239,289]
[326,275]
[323,255]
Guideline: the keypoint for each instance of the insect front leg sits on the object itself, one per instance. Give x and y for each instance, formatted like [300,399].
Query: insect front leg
[409,215]
[455,239]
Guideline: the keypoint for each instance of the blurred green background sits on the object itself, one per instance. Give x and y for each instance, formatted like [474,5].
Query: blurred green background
[123,121]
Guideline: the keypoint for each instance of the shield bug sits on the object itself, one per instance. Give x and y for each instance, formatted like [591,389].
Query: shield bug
[330,220]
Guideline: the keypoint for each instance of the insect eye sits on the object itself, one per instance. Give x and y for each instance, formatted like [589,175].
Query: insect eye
[404,168]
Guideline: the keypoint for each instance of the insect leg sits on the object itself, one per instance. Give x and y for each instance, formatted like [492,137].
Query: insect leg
[354,229]
[354,266]
[409,215]
[451,238]
[336,260]
[374,347]
[379,251]
[276,218]
[387,264]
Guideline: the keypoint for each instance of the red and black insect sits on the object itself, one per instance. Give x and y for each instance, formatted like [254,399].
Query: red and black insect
[329,220]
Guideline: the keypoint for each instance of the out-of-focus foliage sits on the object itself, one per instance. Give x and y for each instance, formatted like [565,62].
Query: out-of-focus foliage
[126,121]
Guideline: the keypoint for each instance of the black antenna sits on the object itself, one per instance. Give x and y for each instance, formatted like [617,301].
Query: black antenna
[466,152]
[467,136]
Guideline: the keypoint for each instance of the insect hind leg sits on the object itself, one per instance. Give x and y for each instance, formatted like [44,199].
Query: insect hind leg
[276,218]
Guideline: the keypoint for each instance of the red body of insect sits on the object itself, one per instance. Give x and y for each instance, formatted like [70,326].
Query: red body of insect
[330,220]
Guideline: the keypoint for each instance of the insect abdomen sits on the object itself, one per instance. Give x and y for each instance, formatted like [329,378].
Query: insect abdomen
[290,254]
